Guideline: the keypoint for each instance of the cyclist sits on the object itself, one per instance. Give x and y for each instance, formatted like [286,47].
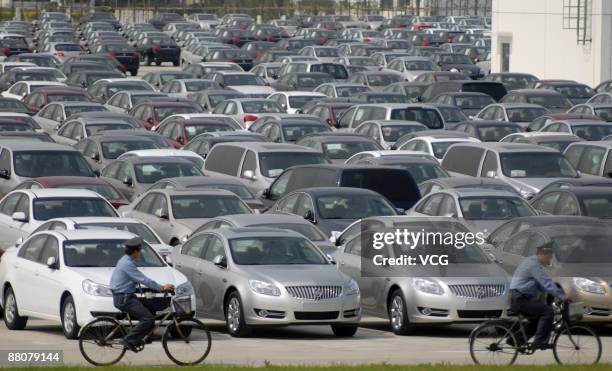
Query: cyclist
[124,283]
[529,281]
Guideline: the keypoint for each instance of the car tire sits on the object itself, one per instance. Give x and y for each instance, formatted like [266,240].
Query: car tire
[158,63]
[176,63]
[12,319]
[70,325]
[344,331]
[398,314]
[148,60]
[234,316]
[134,72]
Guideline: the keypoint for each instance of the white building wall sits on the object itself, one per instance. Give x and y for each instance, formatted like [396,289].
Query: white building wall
[540,45]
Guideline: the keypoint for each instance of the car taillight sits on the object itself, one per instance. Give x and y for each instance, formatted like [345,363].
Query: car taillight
[366,39]
[269,37]
[258,53]
[6,51]
[136,55]
[156,48]
[230,60]
[243,26]
[58,54]
[112,54]
[248,118]
[189,94]
[236,39]
[29,50]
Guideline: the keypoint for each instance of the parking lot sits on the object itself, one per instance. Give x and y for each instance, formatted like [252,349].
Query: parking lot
[373,343]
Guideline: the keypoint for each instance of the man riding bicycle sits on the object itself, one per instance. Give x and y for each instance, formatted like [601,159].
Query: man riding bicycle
[529,281]
[124,284]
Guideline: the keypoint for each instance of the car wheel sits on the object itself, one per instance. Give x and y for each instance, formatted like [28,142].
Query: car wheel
[176,63]
[158,63]
[12,319]
[69,319]
[234,316]
[134,72]
[398,314]
[174,242]
[148,60]
[344,331]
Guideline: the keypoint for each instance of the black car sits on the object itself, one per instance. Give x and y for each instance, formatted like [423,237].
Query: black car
[235,36]
[230,55]
[127,56]
[159,49]
[457,63]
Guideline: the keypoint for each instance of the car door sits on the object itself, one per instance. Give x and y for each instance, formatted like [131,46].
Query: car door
[50,278]
[125,181]
[23,228]
[547,203]
[512,251]
[27,284]
[214,278]
[187,262]
[9,232]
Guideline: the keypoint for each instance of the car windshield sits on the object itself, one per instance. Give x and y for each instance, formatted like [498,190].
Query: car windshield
[363,62]
[419,66]
[473,101]
[525,114]
[137,99]
[427,117]
[274,163]
[239,190]
[356,206]
[592,132]
[299,101]
[151,173]
[550,101]
[336,70]
[422,172]
[383,79]
[536,165]
[41,62]
[105,254]
[112,150]
[73,110]
[469,254]
[452,114]
[199,85]
[518,81]
[104,190]
[32,164]
[392,133]
[455,59]
[15,127]
[112,89]
[327,52]
[604,113]
[307,230]
[576,91]
[344,150]
[163,112]
[92,129]
[67,207]
[311,81]
[261,106]
[206,206]
[347,91]
[494,133]
[440,148]
[67,97]
[598,206]
[293,133]
[216,99]
[493,208]
[67,47]
[245,79]
[169,76]
[275,251]
[35,76]
[194,130]
[581,244]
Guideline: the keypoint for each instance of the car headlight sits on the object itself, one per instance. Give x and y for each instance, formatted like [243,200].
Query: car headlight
[184,289]
[589,286]
[264,288]
[526,194]
[352,288]
[427,286]
[96,289]
[454,70]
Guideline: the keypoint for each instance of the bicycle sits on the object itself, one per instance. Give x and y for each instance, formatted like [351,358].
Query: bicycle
[186,340]
[498,342]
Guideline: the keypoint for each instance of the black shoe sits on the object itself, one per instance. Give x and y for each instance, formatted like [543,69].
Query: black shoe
[543,346]
[130,346]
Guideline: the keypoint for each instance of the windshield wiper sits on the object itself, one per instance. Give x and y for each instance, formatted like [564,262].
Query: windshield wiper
[84,266]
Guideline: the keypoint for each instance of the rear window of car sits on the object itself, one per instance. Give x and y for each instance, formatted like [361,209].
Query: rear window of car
[396,185]
[497,91]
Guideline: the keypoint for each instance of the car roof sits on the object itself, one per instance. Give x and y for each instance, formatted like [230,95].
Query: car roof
[25,145]
[231,233]
[268,147]
[90,234]
[480,192]
[462,181]
[159,152]
[151,160]
[195,192]
[511,147]
[52,181]
[255,219]
[59,192]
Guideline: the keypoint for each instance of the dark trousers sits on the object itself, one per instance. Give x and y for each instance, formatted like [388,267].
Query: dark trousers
[541,317]
[141,310]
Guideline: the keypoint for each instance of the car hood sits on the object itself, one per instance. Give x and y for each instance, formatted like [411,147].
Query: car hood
[160,275]
[451,273]
[295,274]
[329,225]
[326,246]
[193,223]
[484,226]
[600,271]
[252,89]
[533,185]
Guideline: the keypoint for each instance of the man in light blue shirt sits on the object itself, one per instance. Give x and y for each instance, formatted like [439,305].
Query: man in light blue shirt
[529,281]
[124,284]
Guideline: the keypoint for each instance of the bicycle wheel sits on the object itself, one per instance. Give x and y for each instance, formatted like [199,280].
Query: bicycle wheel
[100,341]
[188,343]
[577,345]
[492,343]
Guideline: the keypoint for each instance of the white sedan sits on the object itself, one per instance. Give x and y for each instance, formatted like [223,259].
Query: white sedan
[64,276]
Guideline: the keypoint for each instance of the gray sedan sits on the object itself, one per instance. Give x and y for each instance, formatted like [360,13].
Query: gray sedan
[267,277]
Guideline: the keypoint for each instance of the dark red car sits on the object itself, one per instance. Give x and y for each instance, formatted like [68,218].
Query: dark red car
[544,120]
[329,112]
[36,100]
[180,131]
[100,186]
[151,113]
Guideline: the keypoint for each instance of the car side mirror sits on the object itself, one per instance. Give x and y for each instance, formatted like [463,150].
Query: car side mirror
[19,242]
[334,238]
[265,193]
[180,140]
[52,263]
[160,213]
[330,259]
[128,181]
[491,174]
[95,156]
[494,258]
[150,120]
[19,216]
[5,174]
[400,210]
[248,174]
[220,261]
[309,215]
[168,260]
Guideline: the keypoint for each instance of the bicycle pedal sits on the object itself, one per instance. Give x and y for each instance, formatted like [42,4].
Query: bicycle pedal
[148,341]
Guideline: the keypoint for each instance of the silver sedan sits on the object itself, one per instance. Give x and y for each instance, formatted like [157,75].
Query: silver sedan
[267,277]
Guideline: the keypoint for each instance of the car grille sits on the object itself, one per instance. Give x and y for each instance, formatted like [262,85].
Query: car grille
[314,292]
[314,316]
[478,291]
[479,313]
